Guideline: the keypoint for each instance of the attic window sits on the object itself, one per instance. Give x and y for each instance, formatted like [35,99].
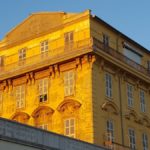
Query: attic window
[132,53]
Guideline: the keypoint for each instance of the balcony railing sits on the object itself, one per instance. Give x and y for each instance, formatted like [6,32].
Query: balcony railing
[62,51]
[97,44]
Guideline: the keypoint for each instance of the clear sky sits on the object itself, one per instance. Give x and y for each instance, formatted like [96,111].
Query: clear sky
[132,17]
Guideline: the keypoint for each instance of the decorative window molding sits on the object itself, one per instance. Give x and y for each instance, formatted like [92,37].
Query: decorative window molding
[69,105]
[69,127]
[69,83]
[42,116]
[109,104]
[20,96]
[21,117]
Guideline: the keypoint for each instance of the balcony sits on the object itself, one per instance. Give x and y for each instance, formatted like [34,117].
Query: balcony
[59,52]
[98,45]
[35,60]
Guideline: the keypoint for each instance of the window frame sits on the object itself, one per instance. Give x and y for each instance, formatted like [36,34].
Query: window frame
[108,85]
[130,95]
[43,85]
[69,127]
[145,141]
[142,101]
[69,83]
[132,139]
[20,96]
[22,55]
[110,130]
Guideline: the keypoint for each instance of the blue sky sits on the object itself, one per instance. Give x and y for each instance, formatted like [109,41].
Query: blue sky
[132,17]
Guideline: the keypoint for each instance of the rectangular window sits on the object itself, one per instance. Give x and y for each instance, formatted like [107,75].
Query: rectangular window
[43,90]
[132,54]
[44,48]
[43,126]
[108,84]
[68,37]
[132,139]
[105,40]
[1,102]
[142,101]
[148,65]
[145,141]
[69,81]
[1,61]
[130,95]
[110,130]
[22,56]
[69,127]
[20,96]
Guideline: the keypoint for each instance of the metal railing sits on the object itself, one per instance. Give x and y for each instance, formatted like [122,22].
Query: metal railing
[97,44]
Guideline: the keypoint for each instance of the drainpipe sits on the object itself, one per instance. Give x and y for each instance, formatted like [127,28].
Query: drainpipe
[121,114]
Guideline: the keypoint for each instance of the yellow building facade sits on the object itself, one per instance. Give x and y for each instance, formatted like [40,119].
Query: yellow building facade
[74,74]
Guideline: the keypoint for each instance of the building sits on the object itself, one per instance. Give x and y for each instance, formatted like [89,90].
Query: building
[75,75]
[16,136]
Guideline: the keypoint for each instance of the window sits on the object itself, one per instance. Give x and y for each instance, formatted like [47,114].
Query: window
[148,65]
[44,48]
[20,96]
[145,141]
[69,83]
[1,61]
[132,54]
[69,126]
[22,56]
[43,126]
[108,84]
[132,139]
[105,40]
[110,130]
[142,101]
[68,37]
[1,102]
[130,95]
[43,90]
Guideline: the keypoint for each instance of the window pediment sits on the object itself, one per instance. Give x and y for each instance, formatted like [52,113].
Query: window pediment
[69,106]
[40,109]
[132,113]
[110,106]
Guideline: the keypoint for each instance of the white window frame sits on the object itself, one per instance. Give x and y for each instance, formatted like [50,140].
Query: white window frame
[20,96]
[145,141]
[108,85]
[130,95]
[142,101]
[69,128]
[69,83]
[43,126]
[132,139]
[44,46]
[22,54]
[1,101]
[110,130]
[43,89]
[68,37]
